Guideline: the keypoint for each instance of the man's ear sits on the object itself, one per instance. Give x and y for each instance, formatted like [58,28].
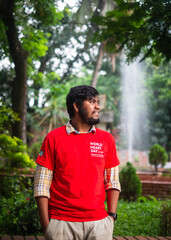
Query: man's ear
[75,107]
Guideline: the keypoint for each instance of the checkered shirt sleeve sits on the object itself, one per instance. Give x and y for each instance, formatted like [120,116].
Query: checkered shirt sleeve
[42,181]
[111,178]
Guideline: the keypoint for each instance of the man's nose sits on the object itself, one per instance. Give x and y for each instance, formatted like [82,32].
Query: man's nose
[97,106]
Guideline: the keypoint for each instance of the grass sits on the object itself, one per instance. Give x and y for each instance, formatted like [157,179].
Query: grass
[138,218]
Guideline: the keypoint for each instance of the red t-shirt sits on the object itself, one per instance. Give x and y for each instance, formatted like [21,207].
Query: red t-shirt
[77,191]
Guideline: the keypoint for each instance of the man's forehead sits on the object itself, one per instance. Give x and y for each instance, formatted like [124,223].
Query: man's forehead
[93,98]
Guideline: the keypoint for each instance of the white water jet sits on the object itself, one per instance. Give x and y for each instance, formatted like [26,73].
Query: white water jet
[133,106]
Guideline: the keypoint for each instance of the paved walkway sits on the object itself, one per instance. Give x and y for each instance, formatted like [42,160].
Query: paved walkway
[114,238]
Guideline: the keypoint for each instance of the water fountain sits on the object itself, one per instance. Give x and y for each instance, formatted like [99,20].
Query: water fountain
[133,105]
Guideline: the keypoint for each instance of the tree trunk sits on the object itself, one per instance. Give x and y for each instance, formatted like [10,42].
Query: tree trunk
[98,65]
[19,98]
[156,167]
[19,56]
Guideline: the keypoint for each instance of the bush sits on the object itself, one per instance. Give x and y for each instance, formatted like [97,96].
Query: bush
[18,209]
[130,183]
[14,183]
[157,155]
[19,216]
[13,153]
[166,218]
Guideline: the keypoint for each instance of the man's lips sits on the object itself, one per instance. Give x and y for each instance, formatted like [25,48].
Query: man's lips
[96,113]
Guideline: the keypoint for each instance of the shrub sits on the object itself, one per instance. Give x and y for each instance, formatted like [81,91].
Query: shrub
[130,183]
[13,183]
[157,155]
[13,153]
[19,215]
[166,218]
[18,209]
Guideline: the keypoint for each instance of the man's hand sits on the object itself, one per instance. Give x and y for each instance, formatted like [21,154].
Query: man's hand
[112,219]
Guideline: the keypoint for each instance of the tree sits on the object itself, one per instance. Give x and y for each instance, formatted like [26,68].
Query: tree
[158,87]
[73,34]
[19,56]
[43,35]
[142,27]
[157,155]
[20,22]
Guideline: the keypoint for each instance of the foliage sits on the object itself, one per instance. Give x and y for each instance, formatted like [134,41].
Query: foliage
[110,84]
[54,114]
[18,212]
[13,153]
[138,219]
[140,26]
[35,42]
[19,215]
[7,117]
[32,18]
[166,218]
[6,79]
[34,150]
[157,155]
[130,183]
[13,182]
[143,199]
[24,39]
[158,87]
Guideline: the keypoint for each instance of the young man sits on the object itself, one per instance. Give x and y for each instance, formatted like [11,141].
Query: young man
[77,164]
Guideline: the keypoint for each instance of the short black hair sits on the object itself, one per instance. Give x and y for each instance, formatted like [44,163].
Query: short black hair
[78,94]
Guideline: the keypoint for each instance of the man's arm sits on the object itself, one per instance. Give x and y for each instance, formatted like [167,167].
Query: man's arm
[42,204]
[112,200]
[113,188]
[42,182]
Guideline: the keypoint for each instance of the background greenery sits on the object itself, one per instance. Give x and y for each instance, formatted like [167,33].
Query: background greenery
[138,219]
[56,50]
[44,51]
[137,215]
[19,216]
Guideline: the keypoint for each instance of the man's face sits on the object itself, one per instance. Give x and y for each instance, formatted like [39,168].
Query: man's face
[89,111]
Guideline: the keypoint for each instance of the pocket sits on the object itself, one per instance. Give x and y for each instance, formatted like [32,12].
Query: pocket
[111,221]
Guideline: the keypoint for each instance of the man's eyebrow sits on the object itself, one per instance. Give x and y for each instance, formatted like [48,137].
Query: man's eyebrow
[93,98]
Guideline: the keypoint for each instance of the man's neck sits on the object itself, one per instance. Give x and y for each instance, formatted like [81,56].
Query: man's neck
[80,126]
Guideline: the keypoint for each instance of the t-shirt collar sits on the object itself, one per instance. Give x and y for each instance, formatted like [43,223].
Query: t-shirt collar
[70,129]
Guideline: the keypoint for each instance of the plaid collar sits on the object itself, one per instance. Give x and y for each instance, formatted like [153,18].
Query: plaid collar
[70,129]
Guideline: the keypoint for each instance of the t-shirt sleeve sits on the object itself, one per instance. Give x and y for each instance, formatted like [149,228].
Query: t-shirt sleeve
[46,155]
[112,159]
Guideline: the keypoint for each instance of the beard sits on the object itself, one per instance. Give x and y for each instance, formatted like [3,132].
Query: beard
[88,120]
